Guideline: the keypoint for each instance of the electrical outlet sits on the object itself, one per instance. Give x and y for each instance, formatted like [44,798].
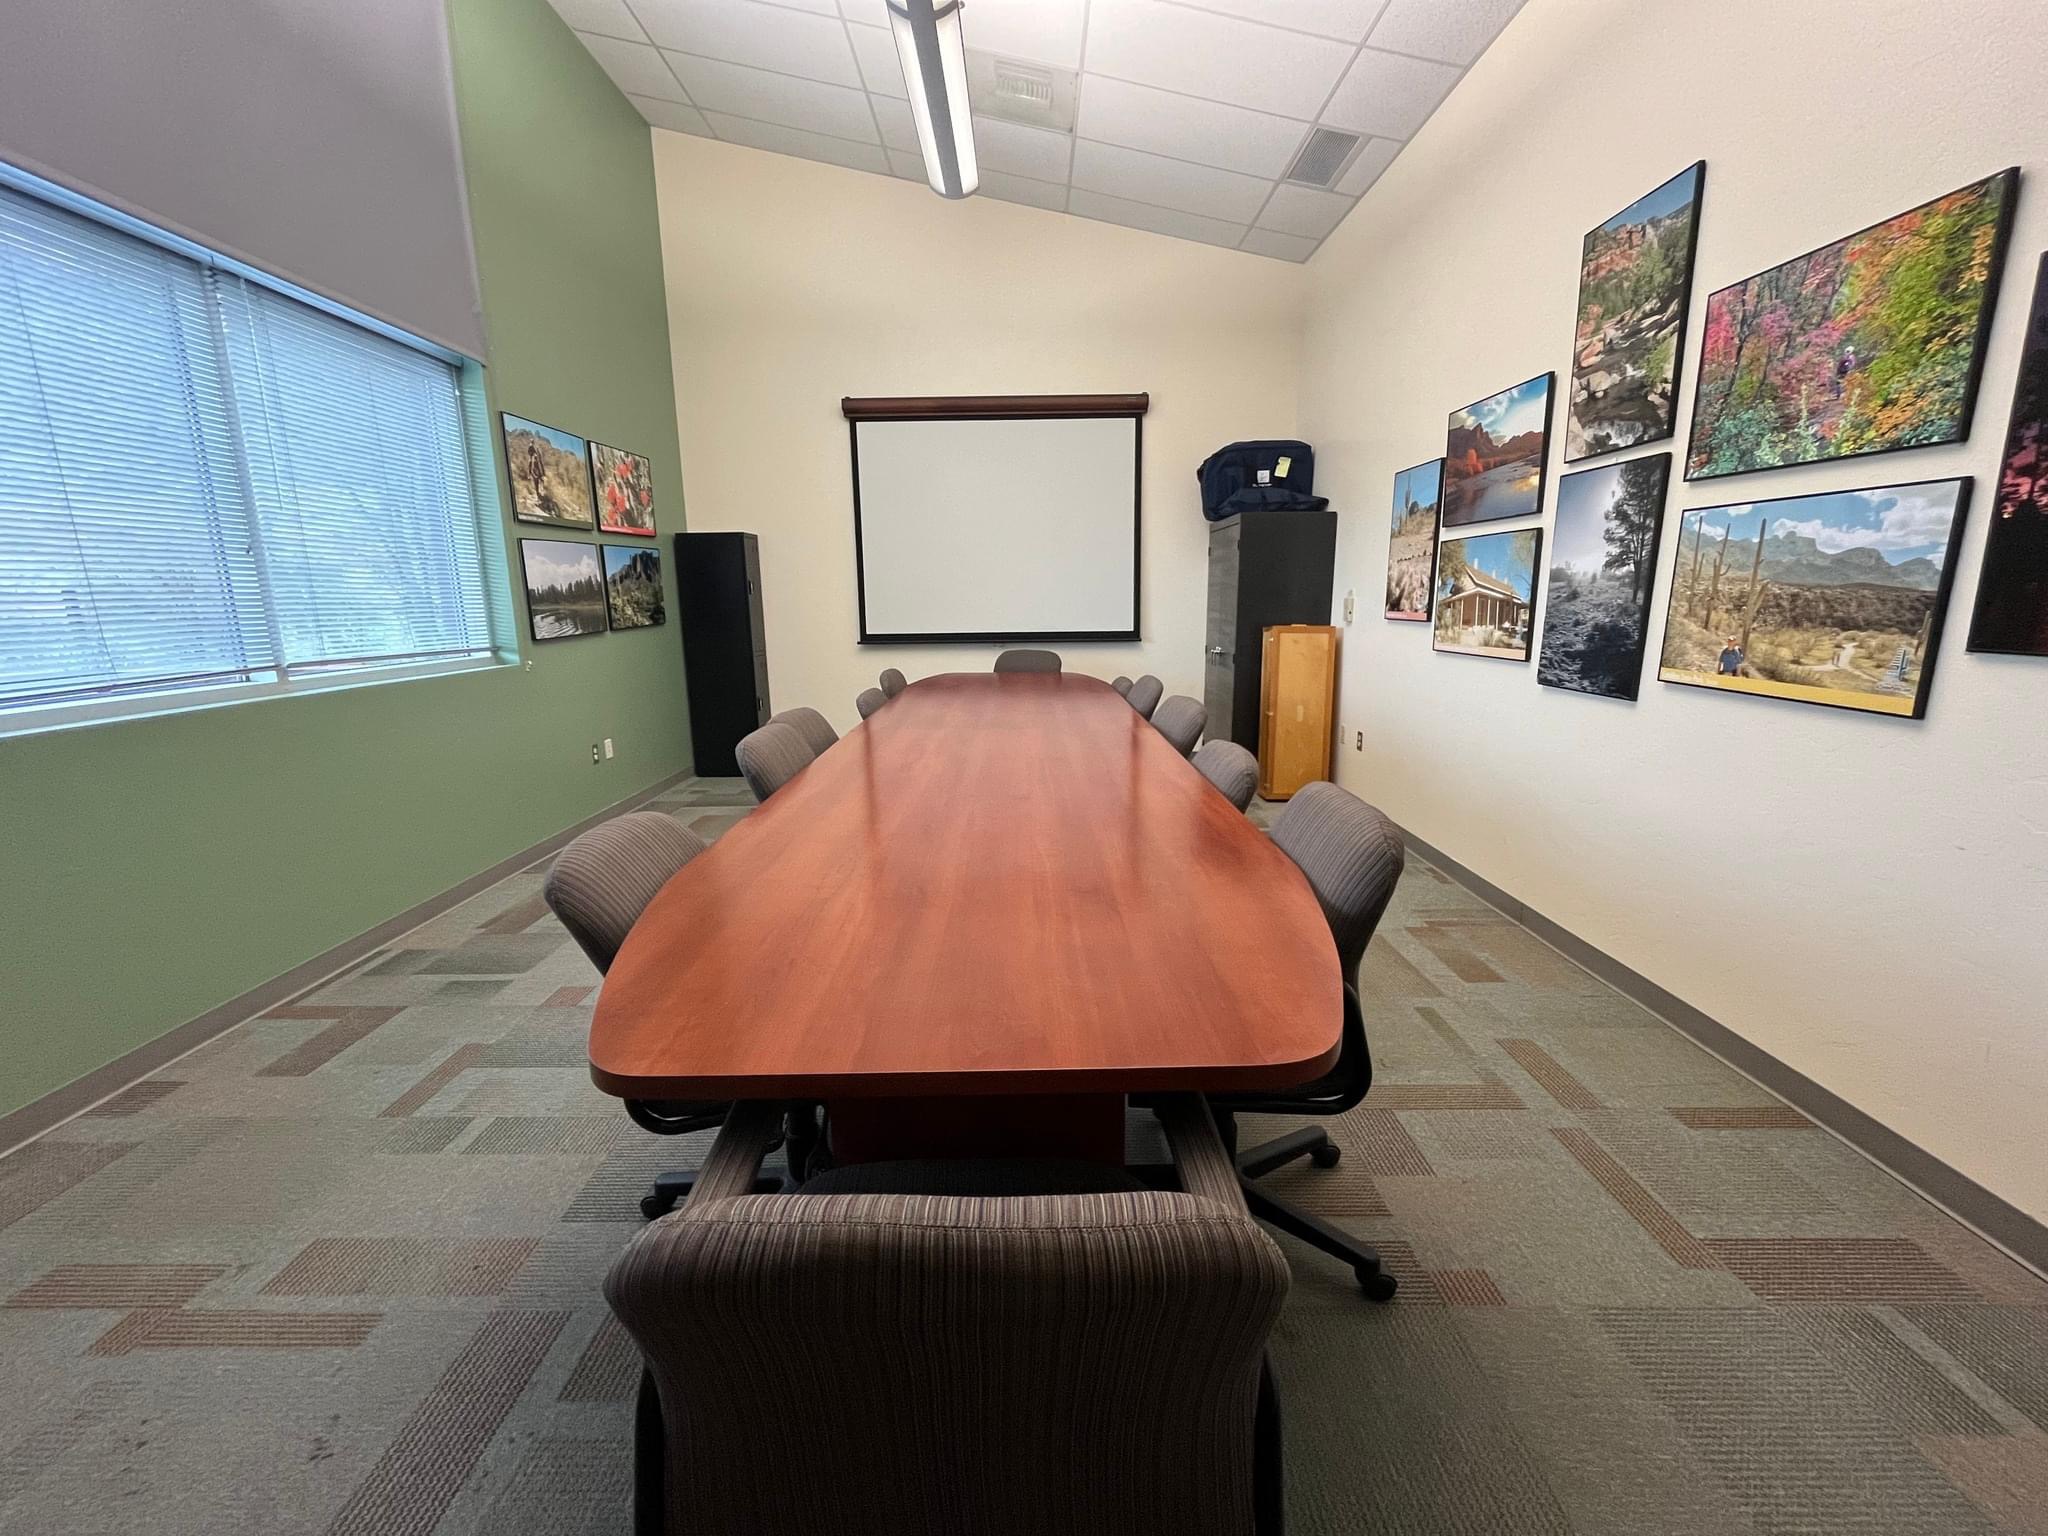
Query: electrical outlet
[1360,747]
[607,748]
[1350,606]
[593,752]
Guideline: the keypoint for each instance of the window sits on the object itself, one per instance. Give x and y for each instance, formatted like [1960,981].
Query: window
[207,484]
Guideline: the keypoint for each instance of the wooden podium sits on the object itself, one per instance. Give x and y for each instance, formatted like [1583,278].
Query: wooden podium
[1297,707]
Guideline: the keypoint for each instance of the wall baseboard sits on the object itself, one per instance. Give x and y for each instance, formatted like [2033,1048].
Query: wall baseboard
[75,1097]
[1990,1216]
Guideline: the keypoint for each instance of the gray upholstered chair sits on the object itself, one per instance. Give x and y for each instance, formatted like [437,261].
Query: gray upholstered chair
[1181,720]
[1121,684]
[1028,661]
[815,729]
[1230,768]
[870,700]
[893,682]
[1144,694]
[771,757]
[1086,1363]
[1352,856]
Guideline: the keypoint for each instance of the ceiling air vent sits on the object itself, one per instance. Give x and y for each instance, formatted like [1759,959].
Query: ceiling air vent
[1018,91]
[1323,157]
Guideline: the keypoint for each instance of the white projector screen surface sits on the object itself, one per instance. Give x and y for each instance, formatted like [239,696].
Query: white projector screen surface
[998,528]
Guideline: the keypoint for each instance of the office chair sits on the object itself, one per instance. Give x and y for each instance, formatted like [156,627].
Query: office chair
[1230,768]
[870,700]
[1121,684]
[771,757]
[1028,661]
[1087,1362]
[815,729]
[1352,856]
[1144,694]
[893,682]
[1181,720]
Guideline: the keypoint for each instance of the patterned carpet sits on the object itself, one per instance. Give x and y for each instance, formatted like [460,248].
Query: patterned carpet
[337,1272]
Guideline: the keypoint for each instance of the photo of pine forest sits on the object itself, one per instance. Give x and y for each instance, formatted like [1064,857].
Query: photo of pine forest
[564,588]
[632,587]
[1603,562]
[1834,598]
[1411,547]
[1868,344]
[2012,590]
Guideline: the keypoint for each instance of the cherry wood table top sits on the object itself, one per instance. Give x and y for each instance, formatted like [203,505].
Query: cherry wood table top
[997,884]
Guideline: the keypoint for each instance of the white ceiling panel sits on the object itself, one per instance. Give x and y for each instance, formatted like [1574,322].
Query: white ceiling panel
[881,69]
[607,18]
[1188,128]
[1021,189]
[1048,31]
[1374,156]
[744,32]
[1346,19]
[908,164]
[635,68]
[1389,94]
[899,129]
[794,141]
[1220,58]
[673,114]
[1267,242]
[1161,221]
[1133,174]
[1456,34]
[1034,152]
[771,98]
[1303,211]
[874,12]
[815,7]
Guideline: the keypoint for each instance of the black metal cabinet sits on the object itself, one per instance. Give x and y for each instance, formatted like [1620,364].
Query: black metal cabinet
[1264,568]
[725,646]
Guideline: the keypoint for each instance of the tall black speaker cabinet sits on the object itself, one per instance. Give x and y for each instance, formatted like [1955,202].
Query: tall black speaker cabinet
[725,647]
[1264,568]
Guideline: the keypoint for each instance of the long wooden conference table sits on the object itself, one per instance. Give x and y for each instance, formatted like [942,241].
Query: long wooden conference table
[971,927]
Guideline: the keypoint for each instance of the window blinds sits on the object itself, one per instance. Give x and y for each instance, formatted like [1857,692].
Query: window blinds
[206,482]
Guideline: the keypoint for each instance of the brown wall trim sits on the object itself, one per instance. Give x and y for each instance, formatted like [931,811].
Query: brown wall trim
[80,1094]
[1991,1216]
[956,407]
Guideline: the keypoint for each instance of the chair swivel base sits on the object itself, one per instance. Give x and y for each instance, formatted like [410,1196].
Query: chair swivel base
[670,1190]
[1315,1145]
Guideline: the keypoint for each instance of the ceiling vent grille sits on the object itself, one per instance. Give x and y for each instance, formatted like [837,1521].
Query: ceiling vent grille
[1018,91]
[1023,86]
[1323,158]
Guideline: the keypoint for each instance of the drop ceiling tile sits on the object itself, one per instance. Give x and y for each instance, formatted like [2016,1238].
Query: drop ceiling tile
[1019,151]
[899,130]
[908,164]
[795,141]
[1047,31]
[607,18]
[1162,221]
[1457,34]
[1202,189]
[745,32]
[881,70]
[1374,156]
[1022,189]
[1389,94]
[815,7]
[1348,19]
[1267,242]
[874,12]
[1221,58]
[673,114]
[1304,211]
[1209,132]
[635,68]
[766,97]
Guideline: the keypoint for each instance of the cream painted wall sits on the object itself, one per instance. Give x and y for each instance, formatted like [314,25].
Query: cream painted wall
[792,284]
[1864,898]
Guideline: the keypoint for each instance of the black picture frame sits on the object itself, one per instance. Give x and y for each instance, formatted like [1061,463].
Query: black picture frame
[1698,171]
[1406,615]
[2010,614]
[513,473]
[1936,619]
[1986,309]
[645,554]
[1535,536]
[1004,408]
[533,626]
[652,530]
[1629,674]
[1548,378]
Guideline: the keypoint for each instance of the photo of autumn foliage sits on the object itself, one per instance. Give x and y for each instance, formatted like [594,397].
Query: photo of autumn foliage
[1866,345]
[625,490]
[2012,591]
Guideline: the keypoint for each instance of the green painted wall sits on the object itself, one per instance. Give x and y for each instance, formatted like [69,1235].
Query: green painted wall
[156,868]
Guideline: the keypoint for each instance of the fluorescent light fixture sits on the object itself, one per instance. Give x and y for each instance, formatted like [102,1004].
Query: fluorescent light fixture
[934,59]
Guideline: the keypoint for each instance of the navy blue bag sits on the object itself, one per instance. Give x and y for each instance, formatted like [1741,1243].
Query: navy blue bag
[1231,479]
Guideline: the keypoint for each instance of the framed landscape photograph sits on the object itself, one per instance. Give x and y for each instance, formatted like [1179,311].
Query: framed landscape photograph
[632,587]
[1486,593]
[2012,588]
[1411,548]
[1494,453]
[550,474]
[564,588]
[1834,598]
[1635,286]
[625,490]
[1867,345]
[1603,562]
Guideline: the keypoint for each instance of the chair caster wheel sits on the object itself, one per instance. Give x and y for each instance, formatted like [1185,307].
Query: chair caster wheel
[654,1207]
[1326,1157]
[1377,1284]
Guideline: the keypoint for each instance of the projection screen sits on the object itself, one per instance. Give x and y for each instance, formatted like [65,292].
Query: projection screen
[997,527]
